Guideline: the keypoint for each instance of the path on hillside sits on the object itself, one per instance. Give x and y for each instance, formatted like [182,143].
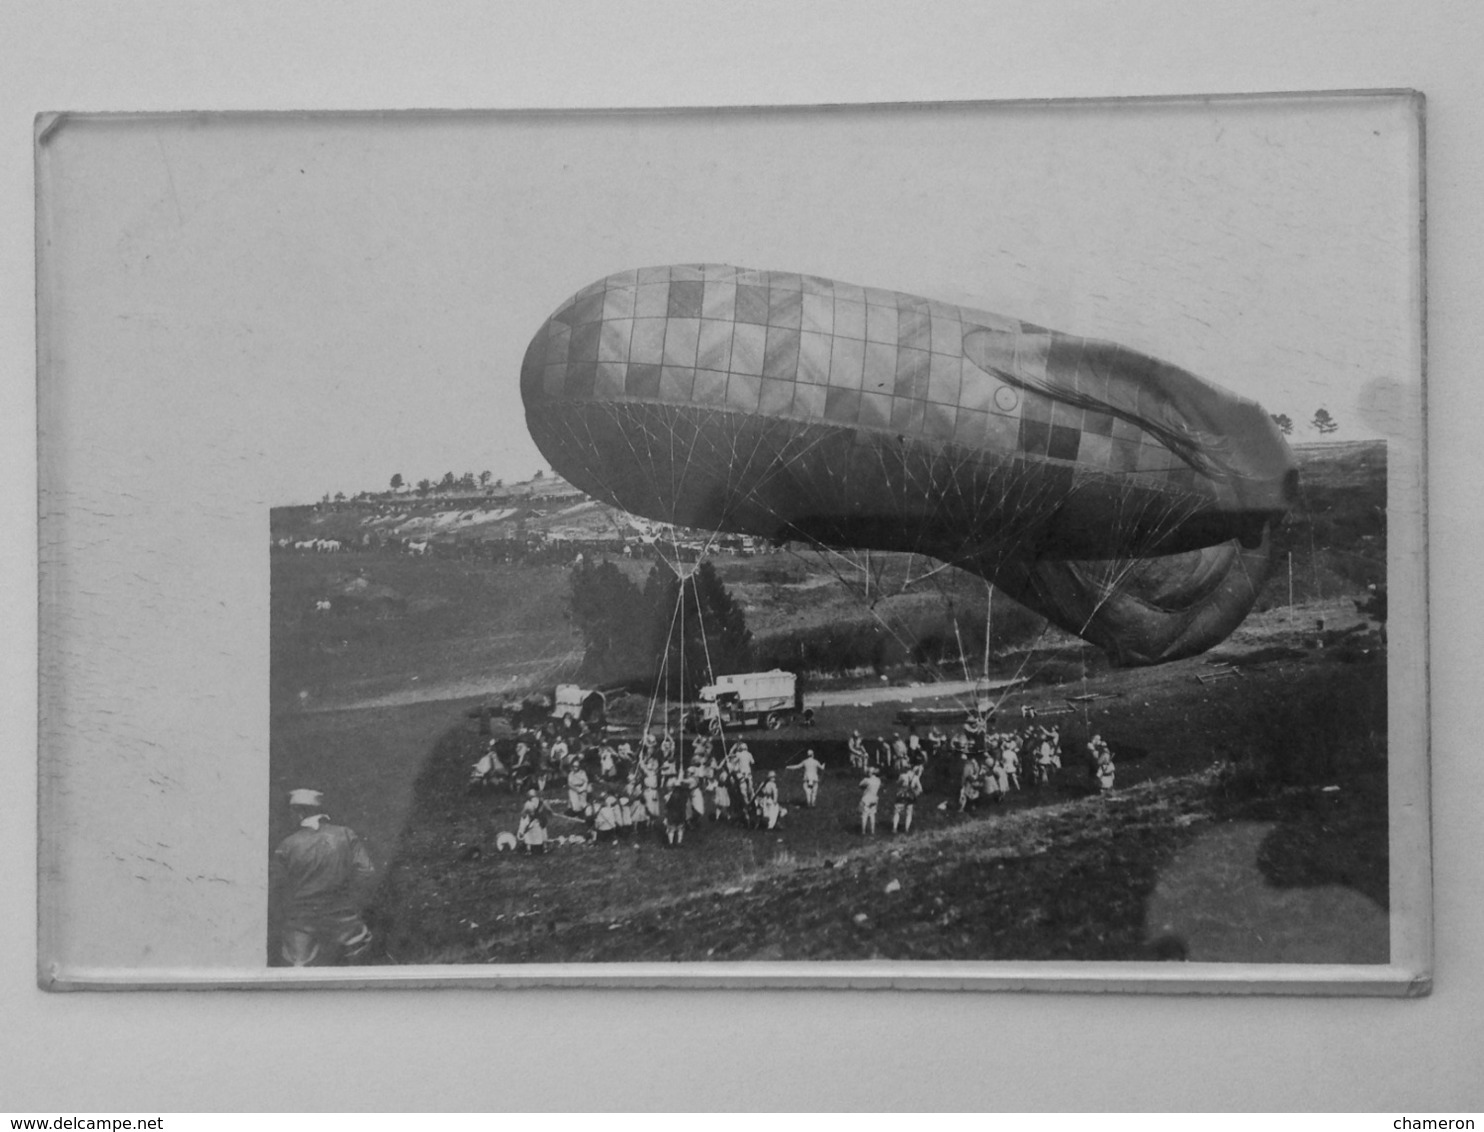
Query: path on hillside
[470,688]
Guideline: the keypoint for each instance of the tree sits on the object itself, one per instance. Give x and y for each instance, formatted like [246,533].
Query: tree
[466,481]
[446,483]
[1284,423]
[629,634]
[340,497]
[484,479]
[696,638]
[609,612]
[538,474]
[397,481]
[1323,423]
[424,486]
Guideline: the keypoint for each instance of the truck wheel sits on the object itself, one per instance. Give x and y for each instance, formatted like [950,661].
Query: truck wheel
[775,720]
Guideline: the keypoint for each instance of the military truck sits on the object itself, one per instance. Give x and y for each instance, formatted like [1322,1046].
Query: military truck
[748,699]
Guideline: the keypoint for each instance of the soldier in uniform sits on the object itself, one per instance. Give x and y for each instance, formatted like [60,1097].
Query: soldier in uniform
[767,799]
[811,767]
[870,795]
[531,830]
[908,790]
[578,788]
[321,876]
[677,804]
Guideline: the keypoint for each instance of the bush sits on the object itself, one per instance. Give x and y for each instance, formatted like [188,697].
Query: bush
[922,635]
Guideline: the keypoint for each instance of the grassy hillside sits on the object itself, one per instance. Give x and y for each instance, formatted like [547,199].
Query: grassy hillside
[1054,872]
[397,624]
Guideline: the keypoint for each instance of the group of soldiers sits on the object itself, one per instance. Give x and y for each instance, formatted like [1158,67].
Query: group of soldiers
[653,786]
[672,784]
[975,762]
[322,873]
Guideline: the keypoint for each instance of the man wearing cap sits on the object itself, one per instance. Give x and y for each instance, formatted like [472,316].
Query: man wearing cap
[635,814]
[1105,775]
[607,819]
[971,778]
[721,794]
[489,770]
[870,794]
[767,799]
[1010,752]
[607,761]
[908,790]
[696,780]
[677,805]
[322,875]
[740,762]
[531,830]
[900,755]
[857,749]
[578,786]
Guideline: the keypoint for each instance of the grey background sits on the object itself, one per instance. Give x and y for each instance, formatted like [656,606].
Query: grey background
[416,1049]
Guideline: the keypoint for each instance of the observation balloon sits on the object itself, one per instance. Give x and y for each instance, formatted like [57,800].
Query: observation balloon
[1121,497]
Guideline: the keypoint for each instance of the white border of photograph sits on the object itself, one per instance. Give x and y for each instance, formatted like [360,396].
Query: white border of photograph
[146,749]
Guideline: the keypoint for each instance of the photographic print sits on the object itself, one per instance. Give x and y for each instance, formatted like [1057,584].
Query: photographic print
[799,539]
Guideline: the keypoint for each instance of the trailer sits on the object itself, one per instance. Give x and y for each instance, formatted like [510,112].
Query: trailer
[747,699]
[587,705]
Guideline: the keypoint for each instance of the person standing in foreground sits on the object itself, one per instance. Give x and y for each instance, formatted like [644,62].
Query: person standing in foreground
[608,820]
[908,790]
[767,800]
[578,786]
[531,831]
[321,876]
[740,763]
[870,794]
[677,808]
[811,767]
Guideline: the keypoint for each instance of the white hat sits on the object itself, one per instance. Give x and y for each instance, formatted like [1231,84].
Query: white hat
[306,798]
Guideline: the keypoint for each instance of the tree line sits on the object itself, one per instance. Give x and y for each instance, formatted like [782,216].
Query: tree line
[466,482]
[1321,422]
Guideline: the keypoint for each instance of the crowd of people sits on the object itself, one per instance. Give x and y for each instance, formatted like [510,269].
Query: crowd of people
[621,790]
[974,764]
[666,784]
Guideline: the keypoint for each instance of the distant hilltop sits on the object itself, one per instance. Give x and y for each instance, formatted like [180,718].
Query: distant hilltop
[1342,489]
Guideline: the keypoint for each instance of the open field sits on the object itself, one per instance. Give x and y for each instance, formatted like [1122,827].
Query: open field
[1221,842]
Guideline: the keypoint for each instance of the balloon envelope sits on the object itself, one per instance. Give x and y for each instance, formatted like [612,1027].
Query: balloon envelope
[1123,498]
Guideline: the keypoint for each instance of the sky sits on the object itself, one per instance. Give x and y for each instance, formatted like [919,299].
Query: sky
[320,301]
